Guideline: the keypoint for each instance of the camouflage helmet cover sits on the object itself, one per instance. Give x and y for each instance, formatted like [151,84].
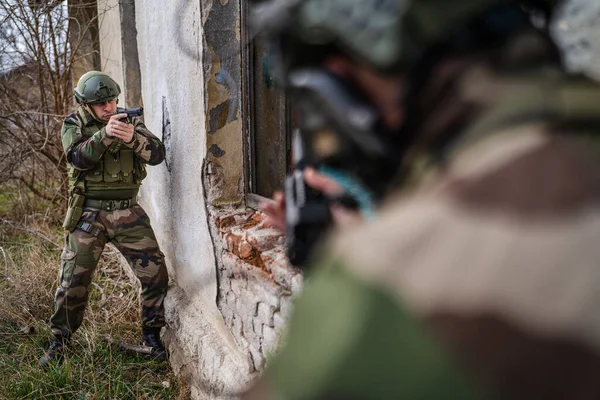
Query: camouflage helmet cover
[96,87]
[383,33]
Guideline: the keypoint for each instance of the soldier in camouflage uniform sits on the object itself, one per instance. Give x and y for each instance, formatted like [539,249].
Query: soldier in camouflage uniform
[481,279]
[107,160]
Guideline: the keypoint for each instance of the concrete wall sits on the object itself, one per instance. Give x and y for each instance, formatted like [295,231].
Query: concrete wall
[172,85]
[231,286]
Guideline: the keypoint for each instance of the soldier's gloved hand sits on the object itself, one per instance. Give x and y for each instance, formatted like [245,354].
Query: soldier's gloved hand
[118,129]
[342,216]
[275,210]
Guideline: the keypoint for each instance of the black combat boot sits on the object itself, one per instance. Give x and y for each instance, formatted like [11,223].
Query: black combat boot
[55,353]
[151,338]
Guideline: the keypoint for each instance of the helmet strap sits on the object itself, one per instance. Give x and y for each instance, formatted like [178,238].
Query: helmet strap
[90,110]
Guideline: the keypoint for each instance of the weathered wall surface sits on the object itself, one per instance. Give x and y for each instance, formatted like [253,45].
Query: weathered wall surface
[169,44]
[255,281]
[174,110]
[256,284]
[231,289]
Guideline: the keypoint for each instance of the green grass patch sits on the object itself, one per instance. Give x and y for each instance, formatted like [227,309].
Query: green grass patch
[91,370]
[29,262]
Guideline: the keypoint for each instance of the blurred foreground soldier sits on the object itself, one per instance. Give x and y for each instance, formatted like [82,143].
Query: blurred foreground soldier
[107,160]
[481,278]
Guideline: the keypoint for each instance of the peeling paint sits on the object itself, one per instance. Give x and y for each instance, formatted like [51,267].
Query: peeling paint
[213,181]
[220,116]
[166,133]
[222,87]
[216,151]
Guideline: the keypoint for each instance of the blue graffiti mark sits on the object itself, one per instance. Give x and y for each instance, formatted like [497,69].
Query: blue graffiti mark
[224,78]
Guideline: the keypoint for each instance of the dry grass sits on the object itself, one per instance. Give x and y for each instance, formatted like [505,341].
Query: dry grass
[30,247]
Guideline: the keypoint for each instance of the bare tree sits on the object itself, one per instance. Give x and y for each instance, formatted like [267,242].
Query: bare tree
[41,42]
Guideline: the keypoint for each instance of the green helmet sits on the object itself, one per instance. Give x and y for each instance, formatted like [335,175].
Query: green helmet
[386,34]
[96,87]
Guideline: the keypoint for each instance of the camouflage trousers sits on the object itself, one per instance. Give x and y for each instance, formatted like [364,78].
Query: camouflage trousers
[130,231]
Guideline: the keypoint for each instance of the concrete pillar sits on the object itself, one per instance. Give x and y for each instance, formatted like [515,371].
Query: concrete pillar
[131,63]
[83,37]
[111,54]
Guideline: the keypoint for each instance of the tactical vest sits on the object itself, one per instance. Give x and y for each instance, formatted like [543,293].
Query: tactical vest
[117,176]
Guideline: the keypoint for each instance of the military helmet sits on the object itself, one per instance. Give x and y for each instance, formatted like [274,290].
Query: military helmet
[96,87]
[386,34]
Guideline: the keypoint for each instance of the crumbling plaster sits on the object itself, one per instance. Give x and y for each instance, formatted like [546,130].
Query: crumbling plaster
[171,70]
[231,285]
[223,95]
[178,80]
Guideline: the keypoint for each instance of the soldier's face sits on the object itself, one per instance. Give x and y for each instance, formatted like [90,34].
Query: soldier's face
[104,110]
[385,91]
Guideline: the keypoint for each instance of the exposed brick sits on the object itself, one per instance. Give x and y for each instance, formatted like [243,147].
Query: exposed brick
[270,297]
[257,358]
[248,331]
[238,286]
[257,326]
[224,222]
[269,339]
[245,250]
[265,314]
[253,220]
[264,239]
[256,281]
[232,241]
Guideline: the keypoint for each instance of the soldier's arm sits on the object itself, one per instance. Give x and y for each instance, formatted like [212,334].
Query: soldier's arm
[83,153]
[146,146]
[351,340]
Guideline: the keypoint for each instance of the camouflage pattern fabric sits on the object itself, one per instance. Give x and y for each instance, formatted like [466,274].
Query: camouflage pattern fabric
[130,231]
[85,141]
[102,167]
[484,273]
[350,340]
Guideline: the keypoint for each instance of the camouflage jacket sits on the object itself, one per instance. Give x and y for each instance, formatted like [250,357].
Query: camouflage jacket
[483,280]
[98,163]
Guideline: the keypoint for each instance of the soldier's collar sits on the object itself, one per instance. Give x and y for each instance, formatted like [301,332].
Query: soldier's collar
[548,95]
[483,100]
[87,118]
[498,102]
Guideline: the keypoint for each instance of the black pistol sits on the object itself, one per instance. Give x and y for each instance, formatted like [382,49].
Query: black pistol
[131,112]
